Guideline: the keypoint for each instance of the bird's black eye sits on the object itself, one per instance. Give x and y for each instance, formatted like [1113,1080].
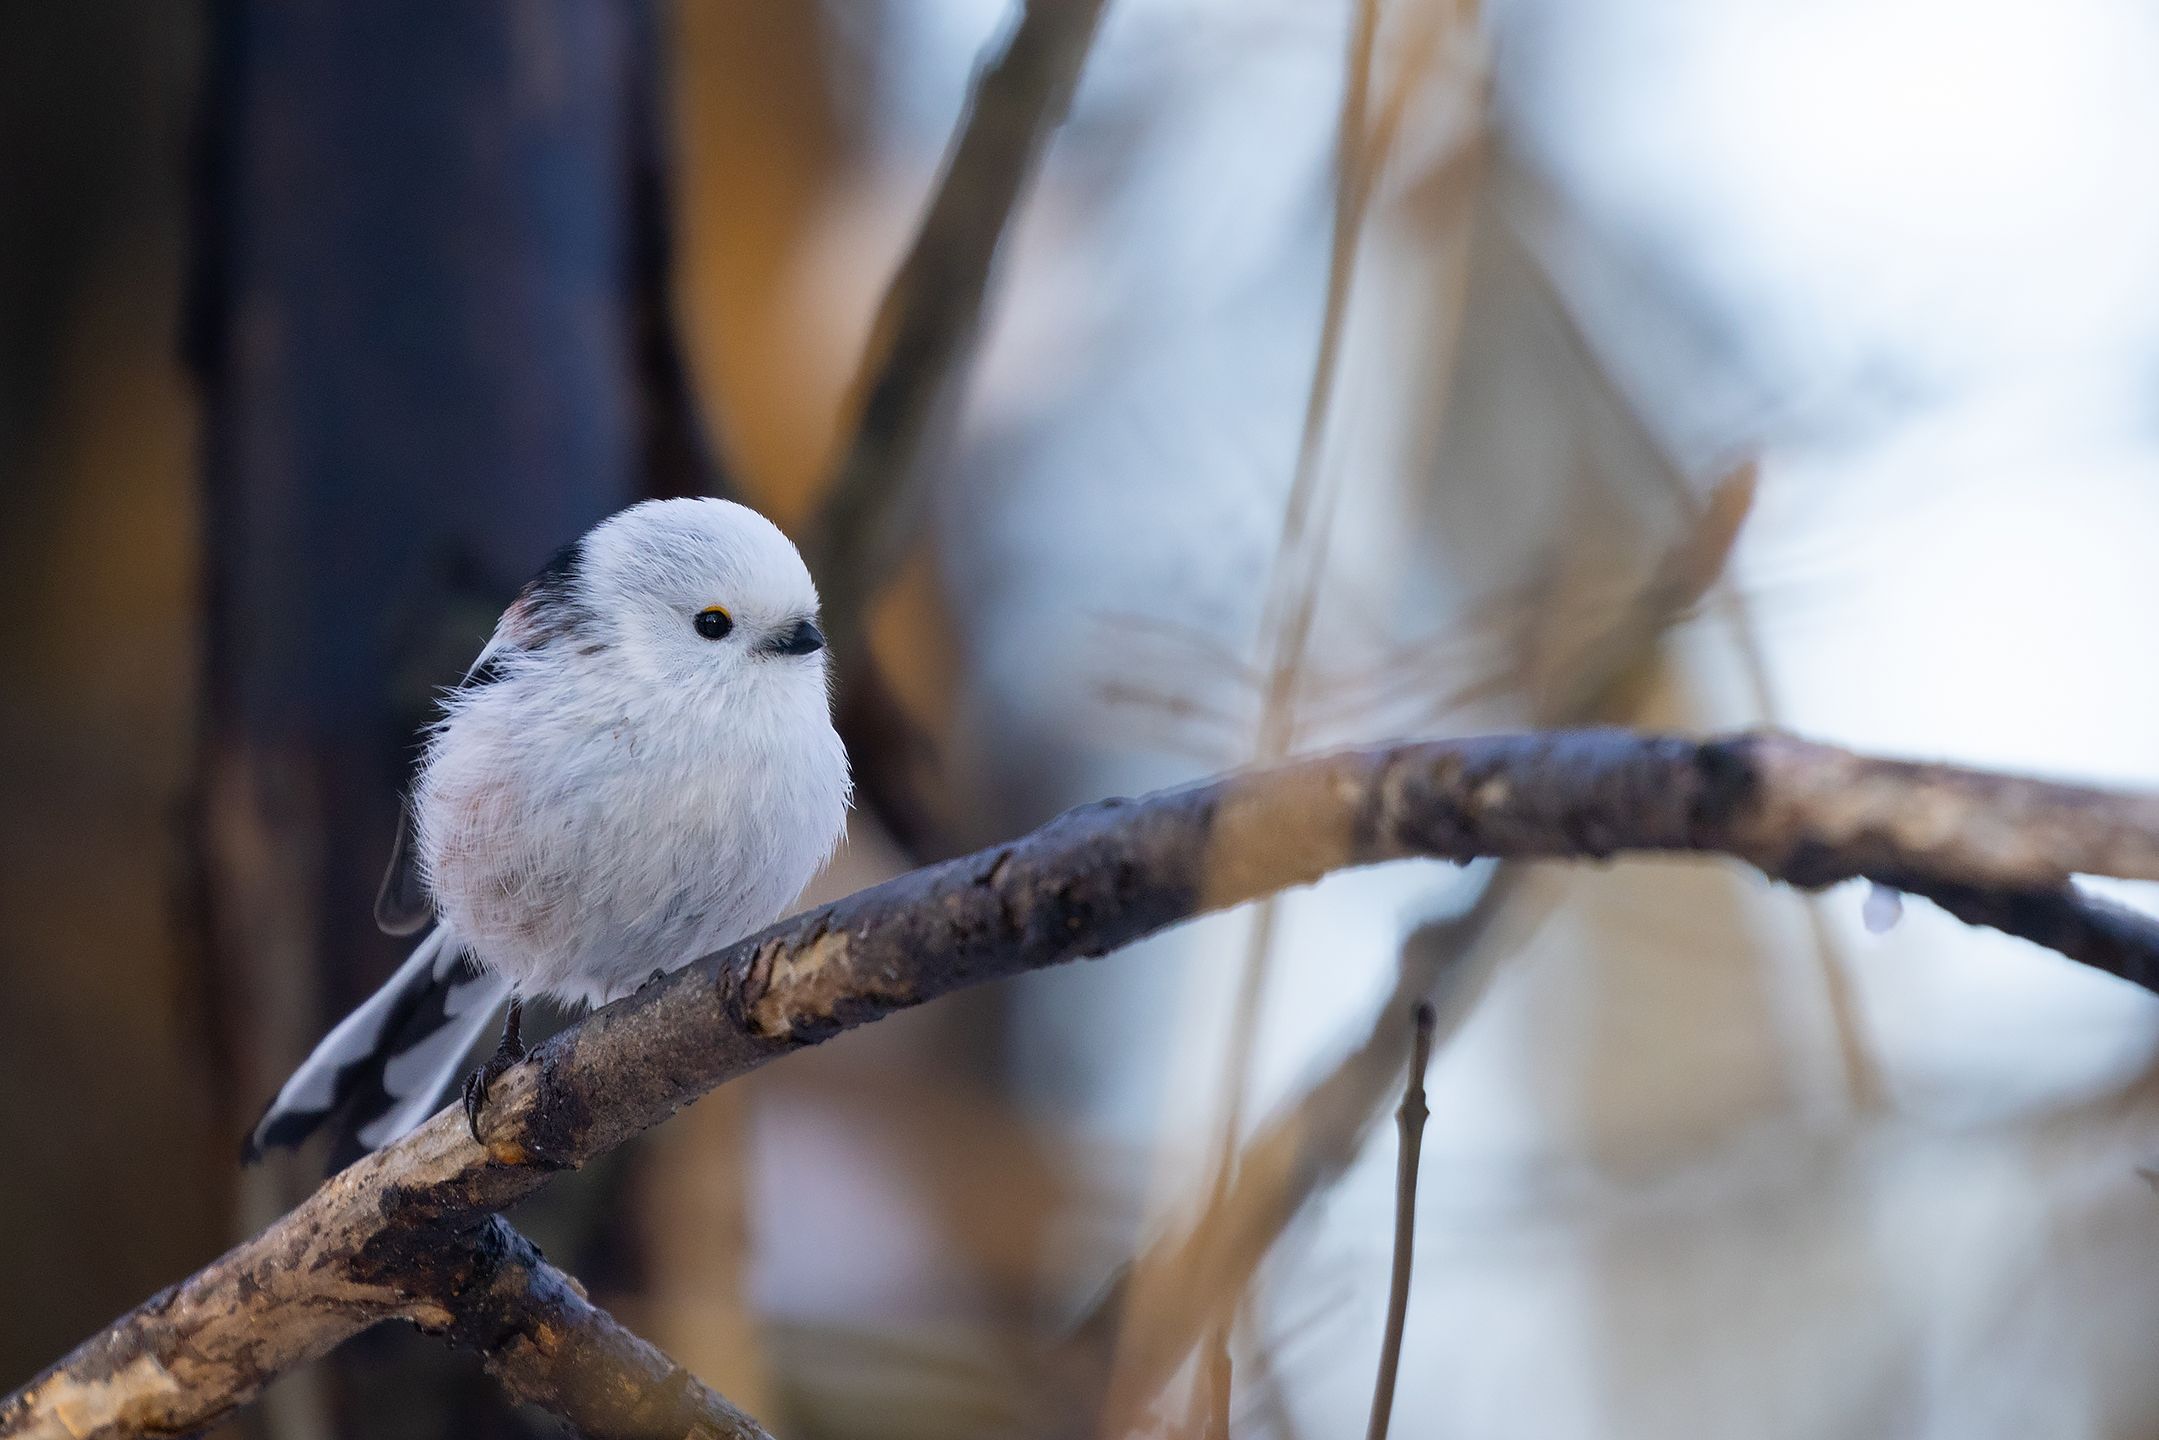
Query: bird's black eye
[713,622]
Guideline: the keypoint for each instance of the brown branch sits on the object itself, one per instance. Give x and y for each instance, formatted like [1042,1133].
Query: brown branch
[913,368]
[549,1346]
[2094,932]
[1185,1281]
[1089,882]
[1411,1119]
[483,1286]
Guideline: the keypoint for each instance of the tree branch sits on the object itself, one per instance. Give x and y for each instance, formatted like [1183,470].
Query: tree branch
[1141,1327]
[1089,882]
[2094,932]
[549,1346]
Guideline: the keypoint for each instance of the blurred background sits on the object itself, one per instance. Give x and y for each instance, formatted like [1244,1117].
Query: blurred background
[1348,369]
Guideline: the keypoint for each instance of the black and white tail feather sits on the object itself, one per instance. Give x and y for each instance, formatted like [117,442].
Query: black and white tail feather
[389,1064]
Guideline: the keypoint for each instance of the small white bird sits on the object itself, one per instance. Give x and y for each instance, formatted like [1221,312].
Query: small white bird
[639,768]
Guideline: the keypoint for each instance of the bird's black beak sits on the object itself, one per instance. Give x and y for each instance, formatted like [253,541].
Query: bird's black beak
[801,638]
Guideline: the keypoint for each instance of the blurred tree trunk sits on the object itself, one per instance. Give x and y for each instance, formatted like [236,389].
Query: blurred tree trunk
[110,1184]
[430,321]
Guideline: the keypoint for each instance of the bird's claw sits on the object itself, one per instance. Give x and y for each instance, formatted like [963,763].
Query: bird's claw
[477,1083]
[508,1053]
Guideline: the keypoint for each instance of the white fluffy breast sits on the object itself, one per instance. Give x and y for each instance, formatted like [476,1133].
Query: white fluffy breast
[581,831]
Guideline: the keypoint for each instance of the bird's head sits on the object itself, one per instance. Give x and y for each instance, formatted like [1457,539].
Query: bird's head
[704,595]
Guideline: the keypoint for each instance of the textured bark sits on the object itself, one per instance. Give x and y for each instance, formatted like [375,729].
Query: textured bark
[485,1287]
[1088,882]
[549,1346]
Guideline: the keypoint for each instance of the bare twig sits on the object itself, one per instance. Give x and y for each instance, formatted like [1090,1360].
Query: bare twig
[1293,588]
[1089,882]
[1364,147]
[485,1288]
[1411,1119]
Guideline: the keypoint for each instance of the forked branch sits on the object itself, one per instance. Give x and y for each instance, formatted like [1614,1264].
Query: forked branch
[1995,847]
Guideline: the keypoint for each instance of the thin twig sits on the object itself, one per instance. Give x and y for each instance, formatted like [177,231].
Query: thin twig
[1364,147]
[1411,1120]
[1092,881]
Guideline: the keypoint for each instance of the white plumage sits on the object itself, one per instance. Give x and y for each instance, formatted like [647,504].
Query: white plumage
[640,768]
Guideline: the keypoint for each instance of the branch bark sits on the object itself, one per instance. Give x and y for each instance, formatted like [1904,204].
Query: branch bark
[1089,882]
[549,1346]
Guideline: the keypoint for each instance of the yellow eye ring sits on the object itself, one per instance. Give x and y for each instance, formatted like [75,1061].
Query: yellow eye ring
[713,622]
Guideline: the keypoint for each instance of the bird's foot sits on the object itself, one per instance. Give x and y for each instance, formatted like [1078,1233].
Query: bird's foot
[507,1053]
